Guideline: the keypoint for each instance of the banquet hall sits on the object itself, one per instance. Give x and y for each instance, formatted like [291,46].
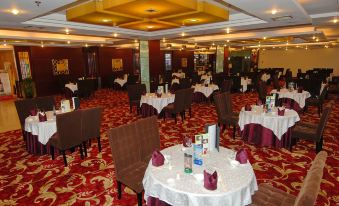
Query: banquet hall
[169,102]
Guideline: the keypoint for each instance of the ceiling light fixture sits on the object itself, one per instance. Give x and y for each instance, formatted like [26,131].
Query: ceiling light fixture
[313,37]
[5,44]
[317,40]
[183,34]
[115,34]
[101,45]
[335,20]
[227,40]
[274,11]
[15,11]
[264,38]
[228,30]
[150,27]
[163,40]
[193,20]
[68,42]
[86,45]
[213,44]
[135,41]
[67,31]
[106,20]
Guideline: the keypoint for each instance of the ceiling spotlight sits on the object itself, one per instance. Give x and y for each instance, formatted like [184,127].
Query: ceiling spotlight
[274,11]
[86,45]
[193,20]
[317,40]
[264,38]
[313,37]
[115,34]
[101,45]
[163,40]
[5,44]
[68,42]
[228,30]
[42,45]
[335,20]
[183,34]
[67,31]
[150,27]
[106,20]
[15,11]
[227,40]
[213,44]
[326,46]
[225,45]
[306,47]
[135,41]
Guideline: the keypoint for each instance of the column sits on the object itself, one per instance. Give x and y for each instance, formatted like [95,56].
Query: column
[144,64]
[220,59]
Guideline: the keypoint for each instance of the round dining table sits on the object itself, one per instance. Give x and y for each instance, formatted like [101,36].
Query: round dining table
[151,104]
[170,185]
[72,87]
[293,99]
[267,128]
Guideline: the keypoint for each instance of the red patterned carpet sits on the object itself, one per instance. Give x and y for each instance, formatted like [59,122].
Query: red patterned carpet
[26,179]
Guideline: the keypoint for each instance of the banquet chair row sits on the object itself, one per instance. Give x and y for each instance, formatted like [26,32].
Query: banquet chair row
[182,102]
[74,129]
[223,104]
[269,195]
[313,132]
[132,146]
[134,92]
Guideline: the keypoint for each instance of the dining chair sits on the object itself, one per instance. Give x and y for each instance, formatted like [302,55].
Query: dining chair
[45,103]
[269,195]
[262,91]
[188,101]
[223,104]
[313,132]
[184,83]
[23,108]
[317,101]
[91,122]
[226,86]
[132,146]
[68,135]
[178,106]
[134,95]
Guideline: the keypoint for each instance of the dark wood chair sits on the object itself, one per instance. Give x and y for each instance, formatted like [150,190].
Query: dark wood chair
[45,103]
[134,95]
[178,106]
[262,91]
[313,132]
[91,122]
[226,86]
[69,134]
[317,101]
[23,108]
[188,101]
[132,146]
[271,196]
[226,116]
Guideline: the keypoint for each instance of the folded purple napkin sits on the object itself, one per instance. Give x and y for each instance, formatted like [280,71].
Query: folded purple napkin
[210,180]
[158,159]
[187,141]
[159,95]
[241,156]
[42,117]
[248,107]
[300,90]
[259,102]
[33,112]
[281,112]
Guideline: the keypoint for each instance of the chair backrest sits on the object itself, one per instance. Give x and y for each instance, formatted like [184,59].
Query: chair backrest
[69,127]
[179,100]
[311,185]
[188,98]
[220,104]
[262,90]
[134,142]
[226,85]
[323,94]
[228,99]
[91,122]
[135,91]
[276,82]
[45,103]
[23,108]
[323,121]
[185,83]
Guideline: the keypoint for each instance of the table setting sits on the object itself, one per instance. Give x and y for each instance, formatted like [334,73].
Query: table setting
[203,91]
[293,98]
[153,103]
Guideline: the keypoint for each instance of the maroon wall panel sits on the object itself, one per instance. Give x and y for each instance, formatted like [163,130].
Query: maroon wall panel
[176,61]
[156,59]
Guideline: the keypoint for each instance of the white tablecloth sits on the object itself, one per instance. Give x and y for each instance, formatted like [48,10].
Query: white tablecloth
[121,82]
[178,74]
[244,82]
[44,130]
[175,81]
[72,87]
[204,77]
[157,102]
[278,124]
[207,91]
[169,183]
[300,98]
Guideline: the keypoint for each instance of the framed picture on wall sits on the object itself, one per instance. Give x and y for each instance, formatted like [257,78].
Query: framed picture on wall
[60,66]
[184,62]
[117,65]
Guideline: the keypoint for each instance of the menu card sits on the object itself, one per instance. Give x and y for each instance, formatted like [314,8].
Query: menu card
[65,106]
[188,163]
[213,133]
[198,150]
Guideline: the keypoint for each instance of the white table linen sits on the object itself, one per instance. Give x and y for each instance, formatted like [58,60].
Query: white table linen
[278,124]
[244,82]
[157,102]
[72,87]
[44,130]
[207,91]
[181,75]
[300,98]
[175,81]
[201,72]
[236,182]
[205,77]
[120,81]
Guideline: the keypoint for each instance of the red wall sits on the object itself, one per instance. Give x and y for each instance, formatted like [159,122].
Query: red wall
[176,59]
[156,59]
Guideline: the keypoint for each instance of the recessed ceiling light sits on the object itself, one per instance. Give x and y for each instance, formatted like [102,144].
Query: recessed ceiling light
[228,40]
[67,31]
[313,37]
[68,42]
[317,40]
[228,30]
[106,20]
[101,45]
[183,34]
[335,20]
[213,44]
[274,11]
[115,34]
[15,11]
[163,40]
[193,20]
[86,45]
[150,27]
[264,38]
[135,41]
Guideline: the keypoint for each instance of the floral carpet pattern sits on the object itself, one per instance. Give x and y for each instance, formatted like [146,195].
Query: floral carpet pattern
[26,179]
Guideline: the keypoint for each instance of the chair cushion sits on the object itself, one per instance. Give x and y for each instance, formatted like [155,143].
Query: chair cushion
[268,195]
[304,132]
[133,175]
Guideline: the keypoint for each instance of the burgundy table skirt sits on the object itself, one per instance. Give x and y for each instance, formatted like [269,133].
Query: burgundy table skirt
[34,146]
[153,201]
[290,104]
[261,136]
[199,97]
[148,110]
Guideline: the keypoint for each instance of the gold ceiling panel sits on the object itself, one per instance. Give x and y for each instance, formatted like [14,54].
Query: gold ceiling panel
[205,13]
[93,13]
[150,8]
[147,15]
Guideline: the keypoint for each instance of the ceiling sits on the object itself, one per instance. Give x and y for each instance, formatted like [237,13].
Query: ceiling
[63,22]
